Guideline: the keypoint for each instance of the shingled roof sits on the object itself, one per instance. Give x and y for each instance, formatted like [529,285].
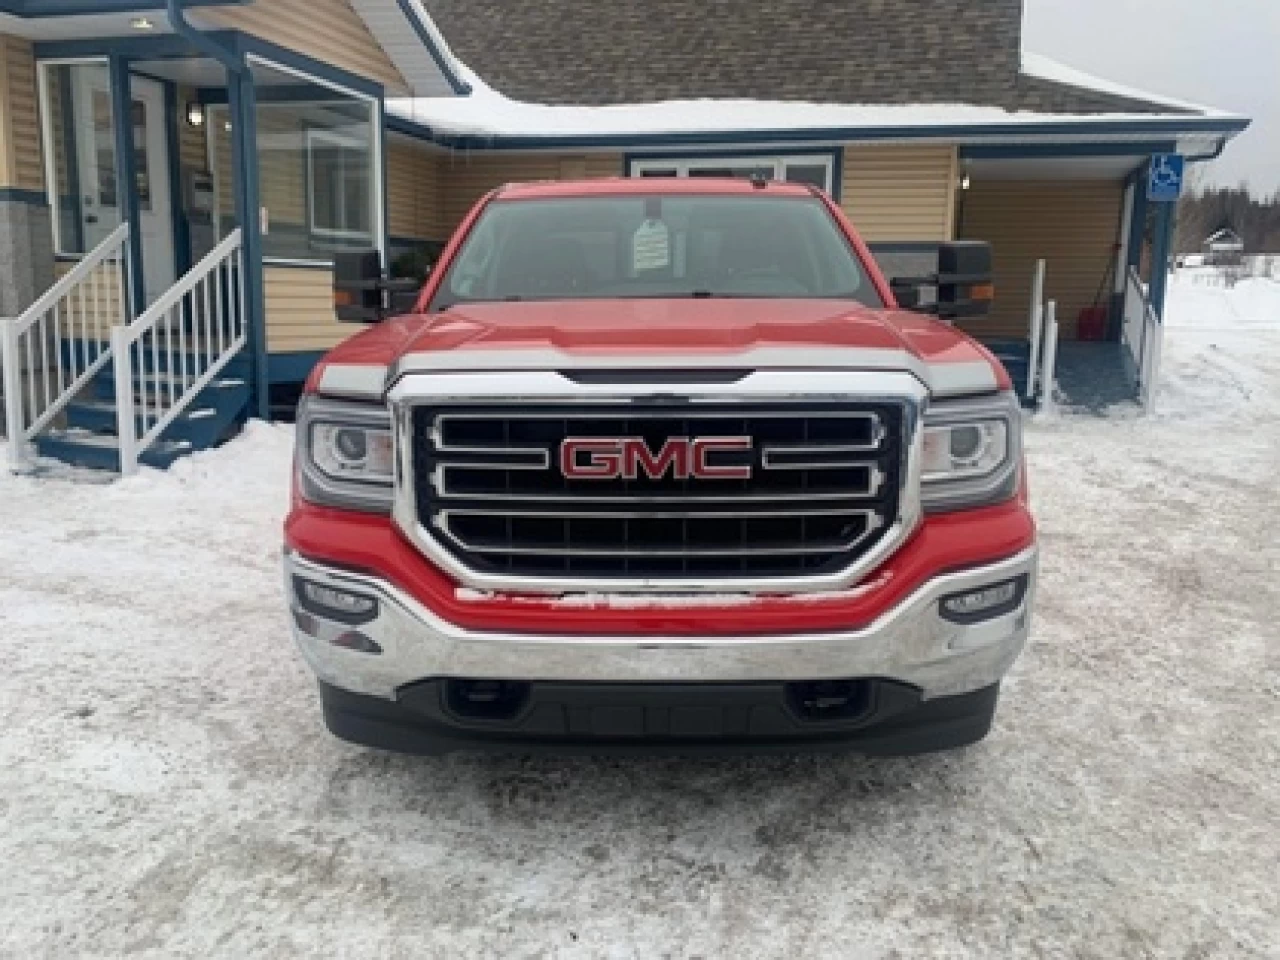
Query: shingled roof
[597,52]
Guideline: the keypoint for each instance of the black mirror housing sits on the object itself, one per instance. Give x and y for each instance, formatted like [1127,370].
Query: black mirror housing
[357,286]
[363,294]
[964,279]
[906,291]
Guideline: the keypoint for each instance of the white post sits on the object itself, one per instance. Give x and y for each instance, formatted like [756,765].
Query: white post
[11,378]
[1050,355]
[126,419]
[1037,323]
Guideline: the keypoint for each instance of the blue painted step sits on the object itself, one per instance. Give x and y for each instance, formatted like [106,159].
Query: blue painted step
[102,452]
[89,437]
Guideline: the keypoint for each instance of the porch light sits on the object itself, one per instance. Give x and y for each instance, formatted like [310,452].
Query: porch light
[142,23]
[195,114]
[964,182]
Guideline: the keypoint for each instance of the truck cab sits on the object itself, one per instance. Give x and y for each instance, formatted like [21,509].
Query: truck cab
[660,464]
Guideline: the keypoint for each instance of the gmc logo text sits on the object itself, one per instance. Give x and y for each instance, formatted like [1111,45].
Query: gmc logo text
[629,457]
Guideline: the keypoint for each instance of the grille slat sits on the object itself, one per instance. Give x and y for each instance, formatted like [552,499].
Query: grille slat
[823,488]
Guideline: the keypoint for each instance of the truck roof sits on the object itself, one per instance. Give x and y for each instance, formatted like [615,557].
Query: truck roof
[648,186]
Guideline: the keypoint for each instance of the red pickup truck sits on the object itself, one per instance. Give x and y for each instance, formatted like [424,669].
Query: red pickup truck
[660,464]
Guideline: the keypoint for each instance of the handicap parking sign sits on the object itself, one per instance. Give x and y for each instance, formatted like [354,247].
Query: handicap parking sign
[1164,180]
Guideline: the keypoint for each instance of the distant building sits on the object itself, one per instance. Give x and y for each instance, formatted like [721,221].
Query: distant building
[1224,248]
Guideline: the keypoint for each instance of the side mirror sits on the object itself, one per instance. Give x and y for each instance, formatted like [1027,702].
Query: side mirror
[362,293]
[906,290]
[964,279]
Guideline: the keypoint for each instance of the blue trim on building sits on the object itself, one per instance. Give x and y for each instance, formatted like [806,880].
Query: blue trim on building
[905,246]
[127,176]
[1161,252]
[36,198]
[244,126]
[181,230]
[1029,151]
[292,367]
[820,136]
[36,9]
[455,82]
[168,46]
[248,45]
[1138,226]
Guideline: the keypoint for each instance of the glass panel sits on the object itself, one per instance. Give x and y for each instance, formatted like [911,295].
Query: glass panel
[79,133]
[138,112]
[316,168]
[659,247]
[814,174]
[738,172]
[663,172]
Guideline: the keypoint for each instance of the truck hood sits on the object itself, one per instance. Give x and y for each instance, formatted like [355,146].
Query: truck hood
[707,333]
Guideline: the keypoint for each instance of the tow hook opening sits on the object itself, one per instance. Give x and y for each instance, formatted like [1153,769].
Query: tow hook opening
[822,701]
[486,699]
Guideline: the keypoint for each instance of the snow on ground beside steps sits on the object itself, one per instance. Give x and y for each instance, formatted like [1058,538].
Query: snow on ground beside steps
[167,789]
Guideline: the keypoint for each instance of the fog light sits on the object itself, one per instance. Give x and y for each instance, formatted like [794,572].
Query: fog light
[355,640]
[332,603]
[985,603]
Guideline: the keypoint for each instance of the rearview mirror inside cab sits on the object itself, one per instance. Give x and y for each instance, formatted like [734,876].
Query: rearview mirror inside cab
[362,293]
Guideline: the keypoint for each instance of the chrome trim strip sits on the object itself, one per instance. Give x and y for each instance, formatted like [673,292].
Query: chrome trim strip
[360,381]
[942,379]
[762,386]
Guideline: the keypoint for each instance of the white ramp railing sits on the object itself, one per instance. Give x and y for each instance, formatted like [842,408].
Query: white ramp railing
[1142,338]
[177,346]
[1036,331]
[55,347]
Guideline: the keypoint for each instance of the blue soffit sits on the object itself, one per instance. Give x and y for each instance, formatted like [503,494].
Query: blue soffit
[73,8]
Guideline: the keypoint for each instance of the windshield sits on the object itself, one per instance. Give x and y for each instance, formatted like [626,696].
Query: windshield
[658,246]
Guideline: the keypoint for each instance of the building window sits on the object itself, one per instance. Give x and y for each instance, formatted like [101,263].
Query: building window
[816,169]
[338,199]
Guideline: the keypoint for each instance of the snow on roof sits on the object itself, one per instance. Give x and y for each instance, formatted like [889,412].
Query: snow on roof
[1045,68]
[1227,236]
[486,113]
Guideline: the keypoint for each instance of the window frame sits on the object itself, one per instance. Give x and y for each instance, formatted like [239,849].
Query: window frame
[779,161]
[310,137]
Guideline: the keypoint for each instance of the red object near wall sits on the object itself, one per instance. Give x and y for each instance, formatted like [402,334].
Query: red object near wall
[1092,324]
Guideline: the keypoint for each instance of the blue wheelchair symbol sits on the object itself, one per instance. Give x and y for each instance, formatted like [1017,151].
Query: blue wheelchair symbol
[1165,180]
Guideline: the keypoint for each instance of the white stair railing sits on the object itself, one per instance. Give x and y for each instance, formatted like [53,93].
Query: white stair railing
[54,348]
[177,346]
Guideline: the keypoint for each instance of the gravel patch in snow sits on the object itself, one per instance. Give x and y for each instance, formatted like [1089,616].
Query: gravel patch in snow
[168,789]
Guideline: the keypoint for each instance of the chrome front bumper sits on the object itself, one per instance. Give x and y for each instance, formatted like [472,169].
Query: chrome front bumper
[910,643]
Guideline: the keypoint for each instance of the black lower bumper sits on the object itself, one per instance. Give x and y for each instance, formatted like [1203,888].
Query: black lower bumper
[871,716]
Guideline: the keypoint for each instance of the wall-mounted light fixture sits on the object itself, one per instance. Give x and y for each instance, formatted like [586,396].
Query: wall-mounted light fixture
[964,182]
[195,114]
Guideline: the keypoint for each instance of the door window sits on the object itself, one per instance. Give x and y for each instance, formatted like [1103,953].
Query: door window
[80,154]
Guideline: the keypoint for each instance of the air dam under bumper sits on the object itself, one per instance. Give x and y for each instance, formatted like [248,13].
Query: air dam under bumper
[910,643]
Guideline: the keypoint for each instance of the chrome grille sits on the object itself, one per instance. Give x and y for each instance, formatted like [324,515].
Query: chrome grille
[823,489]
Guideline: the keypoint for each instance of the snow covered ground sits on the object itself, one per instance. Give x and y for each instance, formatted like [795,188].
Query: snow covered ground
[167,790]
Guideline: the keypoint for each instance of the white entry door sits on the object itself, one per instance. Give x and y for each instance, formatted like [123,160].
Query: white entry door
[101,207]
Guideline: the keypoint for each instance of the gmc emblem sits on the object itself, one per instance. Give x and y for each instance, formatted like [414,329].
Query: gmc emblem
[629,457]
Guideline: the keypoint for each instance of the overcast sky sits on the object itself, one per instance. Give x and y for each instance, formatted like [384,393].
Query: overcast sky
[1223,53]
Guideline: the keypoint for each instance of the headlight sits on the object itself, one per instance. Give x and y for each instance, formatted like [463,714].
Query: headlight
[346,455]
[972,450]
